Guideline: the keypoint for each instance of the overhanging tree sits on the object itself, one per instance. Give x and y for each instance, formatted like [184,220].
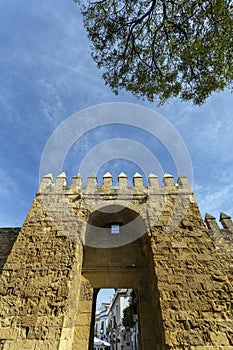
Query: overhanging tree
[161,48]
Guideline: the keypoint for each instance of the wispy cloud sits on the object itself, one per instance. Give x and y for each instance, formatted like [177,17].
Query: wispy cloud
[47,74]
[9,187]
[214,199]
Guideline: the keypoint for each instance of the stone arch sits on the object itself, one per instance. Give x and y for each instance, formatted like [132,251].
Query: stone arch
[128,265]
[98,232]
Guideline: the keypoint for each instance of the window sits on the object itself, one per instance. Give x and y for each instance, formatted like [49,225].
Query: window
[115,229]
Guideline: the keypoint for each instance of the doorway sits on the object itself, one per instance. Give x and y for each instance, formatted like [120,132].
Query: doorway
[116,320]
[128,266]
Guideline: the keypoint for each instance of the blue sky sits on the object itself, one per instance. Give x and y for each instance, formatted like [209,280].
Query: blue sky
[47,74]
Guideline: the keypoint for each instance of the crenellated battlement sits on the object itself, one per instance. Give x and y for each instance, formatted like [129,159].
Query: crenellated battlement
[224,219]
[48,184]
[222,237]
[154,203]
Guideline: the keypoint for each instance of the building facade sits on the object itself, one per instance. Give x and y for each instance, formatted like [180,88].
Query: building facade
[123,335]
[180,265]
[101,321]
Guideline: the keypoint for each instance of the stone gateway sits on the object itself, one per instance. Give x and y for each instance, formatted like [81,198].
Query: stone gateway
[77,239]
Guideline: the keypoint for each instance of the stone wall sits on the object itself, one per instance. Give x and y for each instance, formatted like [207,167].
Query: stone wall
[39,286]
[181,268]
[195,286]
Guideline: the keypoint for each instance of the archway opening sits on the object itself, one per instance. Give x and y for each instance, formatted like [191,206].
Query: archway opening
[113,226]
[117,320]
[127,266]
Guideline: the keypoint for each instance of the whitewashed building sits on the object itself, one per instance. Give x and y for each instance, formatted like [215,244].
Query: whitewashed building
[101,320]
[119,336]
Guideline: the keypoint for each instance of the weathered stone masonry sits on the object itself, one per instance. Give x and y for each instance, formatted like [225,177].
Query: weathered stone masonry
[181,267]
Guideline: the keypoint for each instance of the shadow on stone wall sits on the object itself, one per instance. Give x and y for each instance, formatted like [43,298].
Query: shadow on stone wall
[8,236]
